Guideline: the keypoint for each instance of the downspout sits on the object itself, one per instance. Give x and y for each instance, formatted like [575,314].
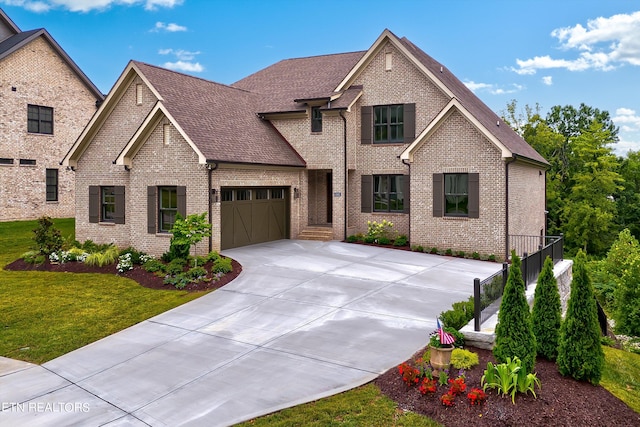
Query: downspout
[408,164]
[346,176]
[506,210]
[211,167]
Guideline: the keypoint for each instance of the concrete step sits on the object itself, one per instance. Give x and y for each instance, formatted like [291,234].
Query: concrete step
[323,234]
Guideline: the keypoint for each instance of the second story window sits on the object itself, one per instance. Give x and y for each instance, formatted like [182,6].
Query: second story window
[40,119]
[388,124]
[316,119]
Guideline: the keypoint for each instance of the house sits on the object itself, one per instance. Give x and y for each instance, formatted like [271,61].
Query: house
[45,102]
[333,140]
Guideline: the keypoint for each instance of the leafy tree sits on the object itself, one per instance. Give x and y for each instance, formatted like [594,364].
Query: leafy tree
[590,211]
[187,232]
[628,199]
[546,316]
[514,333]
[580,354]
[627,299]
[47,237]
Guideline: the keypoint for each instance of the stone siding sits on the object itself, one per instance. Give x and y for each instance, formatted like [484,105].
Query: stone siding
[40,77]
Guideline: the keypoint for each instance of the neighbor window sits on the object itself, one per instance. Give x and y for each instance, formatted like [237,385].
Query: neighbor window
[107,203]
[27,162]
[52,185]
[388,124]
[387,193]
[40,119]
[168,208]
[456,194]
[6,161]
[316,119]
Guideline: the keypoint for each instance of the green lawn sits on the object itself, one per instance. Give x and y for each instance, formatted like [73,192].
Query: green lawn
[621,376]
[45,315]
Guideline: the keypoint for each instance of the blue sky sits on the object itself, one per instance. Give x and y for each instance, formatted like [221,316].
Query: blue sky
[561,52]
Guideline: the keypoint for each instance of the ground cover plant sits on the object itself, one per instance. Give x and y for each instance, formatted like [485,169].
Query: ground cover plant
[47,312]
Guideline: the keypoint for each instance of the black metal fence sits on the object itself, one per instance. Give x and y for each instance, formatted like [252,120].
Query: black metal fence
[487,293]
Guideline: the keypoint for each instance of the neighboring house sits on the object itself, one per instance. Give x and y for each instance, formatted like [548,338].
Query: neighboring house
[45,102]
[333,140]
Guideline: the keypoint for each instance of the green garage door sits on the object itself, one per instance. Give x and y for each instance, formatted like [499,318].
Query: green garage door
[253,215]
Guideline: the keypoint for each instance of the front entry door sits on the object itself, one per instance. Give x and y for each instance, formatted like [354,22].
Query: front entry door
[329,197]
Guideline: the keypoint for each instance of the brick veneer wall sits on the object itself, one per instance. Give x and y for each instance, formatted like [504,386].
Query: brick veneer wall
[526,201]
[457,146]
[40,77]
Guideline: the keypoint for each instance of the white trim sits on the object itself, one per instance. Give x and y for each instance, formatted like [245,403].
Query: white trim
[148,125]
[373,50]
[407,154]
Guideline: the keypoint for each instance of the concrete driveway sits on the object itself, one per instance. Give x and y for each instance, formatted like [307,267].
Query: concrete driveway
[303,321]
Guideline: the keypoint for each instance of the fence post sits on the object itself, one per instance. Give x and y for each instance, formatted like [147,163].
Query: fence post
[505,274]
[476,304]
[524,269]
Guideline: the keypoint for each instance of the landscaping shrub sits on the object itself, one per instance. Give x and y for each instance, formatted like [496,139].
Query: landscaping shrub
[196,273]
[514,334]
[222,265]
[448,252]
[627,299]
[546,316]
[198,260]
[417,248]
[463,359]
[33,257]
[384,241]
[154,266]
[351,239]
[47,237]
[176,266]
[459,315]
[433,250]
[379,230]
[491,258]
[401,240]
[460,254]
[580,353]
[475,255]
[105,257]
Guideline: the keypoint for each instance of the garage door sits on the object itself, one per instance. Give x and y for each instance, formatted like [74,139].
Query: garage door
[253,215]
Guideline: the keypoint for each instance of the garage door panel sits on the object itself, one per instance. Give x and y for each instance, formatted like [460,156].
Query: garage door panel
[262,219]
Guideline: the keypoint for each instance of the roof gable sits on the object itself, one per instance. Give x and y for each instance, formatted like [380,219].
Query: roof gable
[7,26]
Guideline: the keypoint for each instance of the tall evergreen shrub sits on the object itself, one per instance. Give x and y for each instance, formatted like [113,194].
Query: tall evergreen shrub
[580,354]
[627,299]
[546,316]
[514,334]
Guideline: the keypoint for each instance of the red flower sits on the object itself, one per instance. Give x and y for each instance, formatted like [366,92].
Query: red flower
[428,386]
[448,399]
[410,375]
[457,386]
[476,396]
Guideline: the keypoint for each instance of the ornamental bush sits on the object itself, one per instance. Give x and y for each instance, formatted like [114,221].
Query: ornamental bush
[546,316]
[580,353]
[627,299]
[514,334]
[47,237]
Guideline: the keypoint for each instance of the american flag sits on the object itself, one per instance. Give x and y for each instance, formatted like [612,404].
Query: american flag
[445,337]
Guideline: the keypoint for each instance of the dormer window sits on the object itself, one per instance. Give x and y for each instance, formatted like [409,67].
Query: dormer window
[316,119]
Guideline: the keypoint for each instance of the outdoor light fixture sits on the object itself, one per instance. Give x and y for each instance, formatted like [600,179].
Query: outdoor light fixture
[214,193]
[296,193]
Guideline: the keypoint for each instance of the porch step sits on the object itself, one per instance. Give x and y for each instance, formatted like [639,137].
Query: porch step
[323,234]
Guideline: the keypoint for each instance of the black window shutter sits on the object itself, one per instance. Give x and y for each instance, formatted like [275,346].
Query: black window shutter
[94,203]
[366,193]
[366,124]
[409,127]
[474,195]
[181,193]
[152,206]
[406,192]
[438,198]
[118,214]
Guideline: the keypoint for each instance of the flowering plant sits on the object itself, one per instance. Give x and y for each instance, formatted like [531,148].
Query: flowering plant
[448,399]
[457,386]
[429,385]
[410,375]
[476,396]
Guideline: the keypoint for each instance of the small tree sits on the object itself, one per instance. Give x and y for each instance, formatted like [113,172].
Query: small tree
[187,232]
[514,334]
[580,354]
[47,237]
[627,299]
[546,316]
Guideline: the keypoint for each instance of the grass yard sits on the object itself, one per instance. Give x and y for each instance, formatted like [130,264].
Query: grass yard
[621,376]
[45,315]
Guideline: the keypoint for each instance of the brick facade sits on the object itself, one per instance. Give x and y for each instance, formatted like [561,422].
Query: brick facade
[37,75]
[458,144]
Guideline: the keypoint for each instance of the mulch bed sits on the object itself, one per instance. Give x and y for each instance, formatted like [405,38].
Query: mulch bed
[139,274]
[560,401]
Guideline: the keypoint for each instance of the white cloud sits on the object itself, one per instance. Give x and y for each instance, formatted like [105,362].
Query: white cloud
[629,135]
[547,80]
[193,67]
[605,44]
[88,5]
[627,119]
[492,89]
[184,60]
[171,27]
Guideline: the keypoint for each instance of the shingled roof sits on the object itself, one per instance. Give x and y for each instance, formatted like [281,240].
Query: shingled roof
[489,119]
[308,78]
[220,120]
